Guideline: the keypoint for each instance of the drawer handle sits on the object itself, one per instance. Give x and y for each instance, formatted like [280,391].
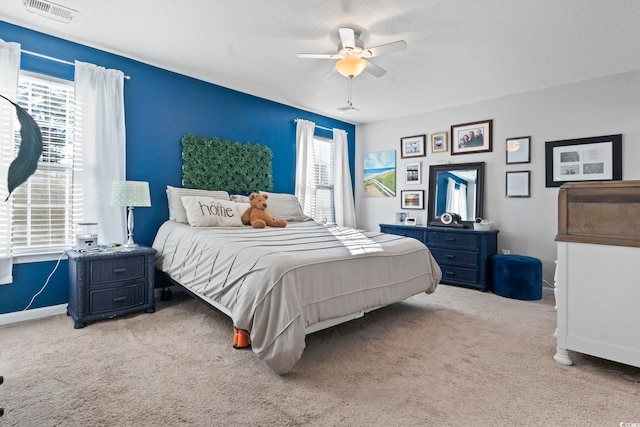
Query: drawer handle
[450,256]
[119,270]
[450,239]
[119,299]
[449,273]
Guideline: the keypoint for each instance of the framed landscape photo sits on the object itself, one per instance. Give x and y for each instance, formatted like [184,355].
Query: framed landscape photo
[518,150]
[412,173]
[472,137]
[597,158]
[412,199]
[518,184]
[413,146]
[380,174]
[439,142]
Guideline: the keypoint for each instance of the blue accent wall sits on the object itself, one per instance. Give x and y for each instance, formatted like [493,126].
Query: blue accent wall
[160,107]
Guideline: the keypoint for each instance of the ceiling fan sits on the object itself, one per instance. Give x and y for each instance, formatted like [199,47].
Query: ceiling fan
[349,108]
[353,57]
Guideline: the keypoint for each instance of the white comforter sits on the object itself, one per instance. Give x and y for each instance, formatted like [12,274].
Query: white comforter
[276,282]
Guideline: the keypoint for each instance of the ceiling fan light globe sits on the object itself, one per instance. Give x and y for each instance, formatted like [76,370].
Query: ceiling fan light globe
[351,65]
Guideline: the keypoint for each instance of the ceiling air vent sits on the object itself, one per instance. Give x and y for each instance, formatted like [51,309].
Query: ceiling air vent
[50,10]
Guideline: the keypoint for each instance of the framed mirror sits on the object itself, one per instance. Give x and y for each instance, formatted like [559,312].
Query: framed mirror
[456,188]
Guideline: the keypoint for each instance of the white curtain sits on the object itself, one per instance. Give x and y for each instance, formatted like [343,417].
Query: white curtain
[9,73]
[457,198]
[304,167]
[342,189]
[100,131]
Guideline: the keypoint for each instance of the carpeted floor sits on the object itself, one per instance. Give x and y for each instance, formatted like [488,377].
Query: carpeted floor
[458,357]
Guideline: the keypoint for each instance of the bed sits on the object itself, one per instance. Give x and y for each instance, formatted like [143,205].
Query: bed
[280,284]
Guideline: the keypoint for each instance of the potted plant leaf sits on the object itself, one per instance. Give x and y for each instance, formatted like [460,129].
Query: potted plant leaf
[26,162]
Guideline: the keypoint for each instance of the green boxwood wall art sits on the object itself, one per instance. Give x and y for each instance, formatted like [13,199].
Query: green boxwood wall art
[220,164]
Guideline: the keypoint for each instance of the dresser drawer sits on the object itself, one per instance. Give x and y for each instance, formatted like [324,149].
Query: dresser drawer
[119,298]
[415,233]
[459,275]
[112,270]
[460,258]
[453,239]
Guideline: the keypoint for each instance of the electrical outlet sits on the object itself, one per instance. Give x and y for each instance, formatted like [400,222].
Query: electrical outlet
[506,252]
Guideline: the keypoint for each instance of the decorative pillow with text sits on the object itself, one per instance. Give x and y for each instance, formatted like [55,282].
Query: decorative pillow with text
[176,208]
[210,212]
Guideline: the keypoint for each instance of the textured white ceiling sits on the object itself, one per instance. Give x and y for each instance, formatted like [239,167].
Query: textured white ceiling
[459,51]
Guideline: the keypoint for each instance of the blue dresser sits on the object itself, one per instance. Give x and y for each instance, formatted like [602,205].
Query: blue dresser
[462,253]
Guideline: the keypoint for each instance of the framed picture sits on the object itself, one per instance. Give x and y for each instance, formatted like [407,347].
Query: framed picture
[439,142]
[413,146]
[380,174]
[518,184]
[471,137]
[597,158]
[412,199]
[400,217]
[518,150]
[412,173]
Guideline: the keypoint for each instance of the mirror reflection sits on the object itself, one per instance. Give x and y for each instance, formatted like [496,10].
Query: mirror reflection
[456,188]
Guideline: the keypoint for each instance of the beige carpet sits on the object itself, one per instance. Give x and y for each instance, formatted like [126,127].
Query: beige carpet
[458,357]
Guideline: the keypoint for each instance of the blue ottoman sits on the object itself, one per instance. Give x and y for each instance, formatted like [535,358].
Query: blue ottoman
[517,276]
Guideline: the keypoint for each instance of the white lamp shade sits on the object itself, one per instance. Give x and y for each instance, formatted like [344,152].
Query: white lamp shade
[130,193]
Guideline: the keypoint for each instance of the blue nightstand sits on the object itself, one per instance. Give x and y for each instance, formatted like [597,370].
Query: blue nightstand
[110,283]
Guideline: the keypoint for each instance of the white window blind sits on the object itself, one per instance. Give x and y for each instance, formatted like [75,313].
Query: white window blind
[320,181]
[43,207]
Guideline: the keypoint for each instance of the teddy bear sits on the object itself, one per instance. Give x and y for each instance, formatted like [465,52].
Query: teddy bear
[258,215]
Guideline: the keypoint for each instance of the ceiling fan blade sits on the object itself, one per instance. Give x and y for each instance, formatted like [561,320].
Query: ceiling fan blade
[384,49]
[348,38]
[372,68]
[319,56]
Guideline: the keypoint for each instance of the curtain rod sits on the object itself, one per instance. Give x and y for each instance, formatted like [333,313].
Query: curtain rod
[51,58]
[319,127]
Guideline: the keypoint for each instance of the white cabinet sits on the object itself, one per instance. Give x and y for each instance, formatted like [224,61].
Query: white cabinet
[598,302]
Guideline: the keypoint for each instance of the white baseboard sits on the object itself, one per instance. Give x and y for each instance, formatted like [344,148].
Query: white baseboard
[39,313]
[36,313]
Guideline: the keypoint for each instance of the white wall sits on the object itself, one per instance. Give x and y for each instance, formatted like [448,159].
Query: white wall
[603,106]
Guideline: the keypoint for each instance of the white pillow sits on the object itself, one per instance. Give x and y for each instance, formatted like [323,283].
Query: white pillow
[174,194]
[239,198]
[285,206]
[211,212]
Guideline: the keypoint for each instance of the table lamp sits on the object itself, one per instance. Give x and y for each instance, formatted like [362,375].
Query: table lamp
[130,194]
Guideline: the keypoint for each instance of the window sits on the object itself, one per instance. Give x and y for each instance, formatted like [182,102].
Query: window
[320,198]
[42,207]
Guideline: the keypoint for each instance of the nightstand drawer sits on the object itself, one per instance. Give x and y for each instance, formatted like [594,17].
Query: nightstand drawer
[111,270]
[453,239]
[117,298]
[449,257]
